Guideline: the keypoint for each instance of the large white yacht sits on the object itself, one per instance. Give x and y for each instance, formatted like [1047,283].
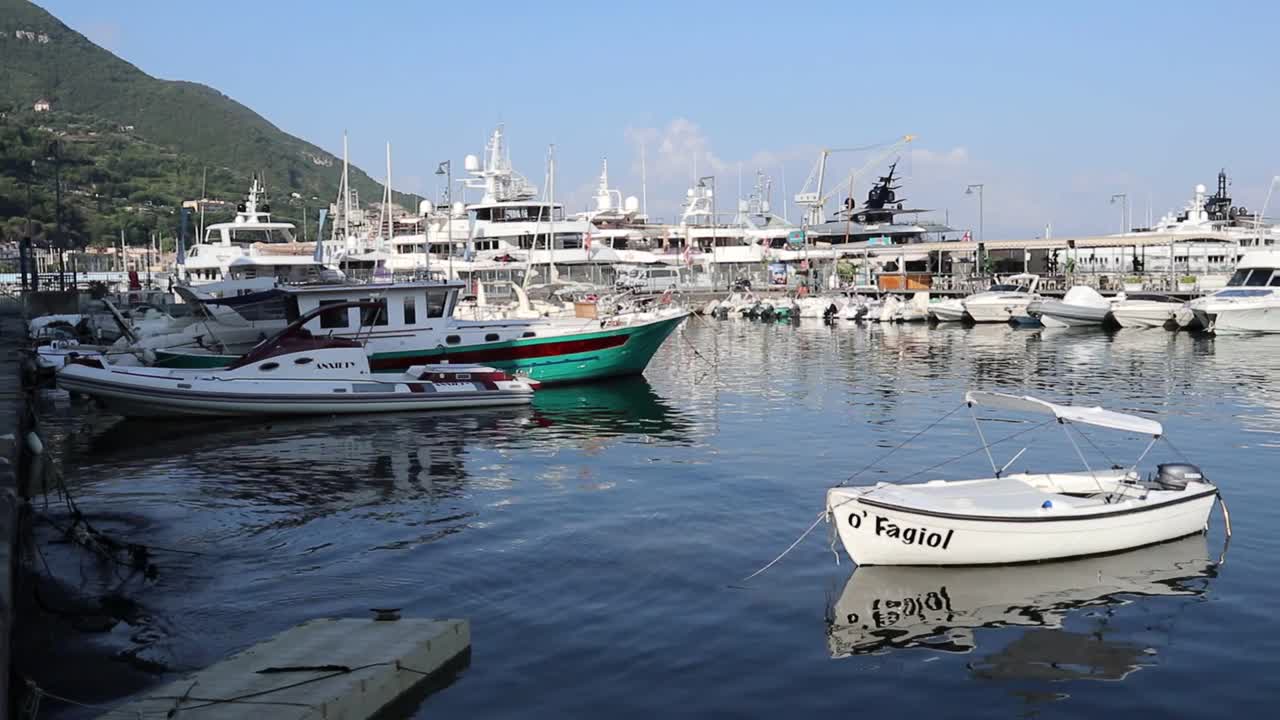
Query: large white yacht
[510,232]
[250,248]
[1250,303]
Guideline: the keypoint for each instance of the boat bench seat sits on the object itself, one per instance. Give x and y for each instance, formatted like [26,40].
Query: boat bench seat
[996,496]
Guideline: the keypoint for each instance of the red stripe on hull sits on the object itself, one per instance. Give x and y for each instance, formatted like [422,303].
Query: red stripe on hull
[517,352]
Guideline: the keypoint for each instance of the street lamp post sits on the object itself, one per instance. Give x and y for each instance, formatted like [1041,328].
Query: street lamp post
[445,169]
[981,235]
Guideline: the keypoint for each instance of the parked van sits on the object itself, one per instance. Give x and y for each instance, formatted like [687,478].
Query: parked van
[649,279]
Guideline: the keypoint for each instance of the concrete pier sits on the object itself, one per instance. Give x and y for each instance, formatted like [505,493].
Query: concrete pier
[346,668]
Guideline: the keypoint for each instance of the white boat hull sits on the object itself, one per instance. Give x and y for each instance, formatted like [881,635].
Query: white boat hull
[947,311]
[1140,314]
[876,533]
[1242,320]
[996,312]
[153,392]
[1055,313]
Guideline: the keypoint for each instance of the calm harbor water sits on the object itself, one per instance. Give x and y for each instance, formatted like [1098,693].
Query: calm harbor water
[597,541]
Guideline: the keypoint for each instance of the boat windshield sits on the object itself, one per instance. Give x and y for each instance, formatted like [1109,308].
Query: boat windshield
[248,236]
[1006,288]
[1250,277]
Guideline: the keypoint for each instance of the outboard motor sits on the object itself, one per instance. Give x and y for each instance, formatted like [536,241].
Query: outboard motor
[1175,476]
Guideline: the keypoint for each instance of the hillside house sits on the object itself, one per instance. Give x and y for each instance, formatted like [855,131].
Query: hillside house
[42,105]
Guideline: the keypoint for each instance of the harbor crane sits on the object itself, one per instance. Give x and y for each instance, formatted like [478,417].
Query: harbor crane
[815,200]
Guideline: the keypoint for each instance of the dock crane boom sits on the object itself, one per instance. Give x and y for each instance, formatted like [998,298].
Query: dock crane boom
[815,200]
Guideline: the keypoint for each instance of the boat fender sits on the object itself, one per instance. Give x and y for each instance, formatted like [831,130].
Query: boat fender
[1046,505]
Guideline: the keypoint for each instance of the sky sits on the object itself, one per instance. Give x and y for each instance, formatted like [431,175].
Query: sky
[1052,107]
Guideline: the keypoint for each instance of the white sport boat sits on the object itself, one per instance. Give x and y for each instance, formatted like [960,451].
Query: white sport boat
[1250,303]
[1082,305]
[1153,311]
[1025,517]
[951,310]
[294,373]
[1004,301]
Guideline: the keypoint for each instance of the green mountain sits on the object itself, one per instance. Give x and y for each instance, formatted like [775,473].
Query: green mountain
[129,148]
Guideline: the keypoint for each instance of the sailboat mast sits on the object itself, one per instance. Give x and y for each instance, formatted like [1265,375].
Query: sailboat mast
[387,205]
[346,192]
[551,195]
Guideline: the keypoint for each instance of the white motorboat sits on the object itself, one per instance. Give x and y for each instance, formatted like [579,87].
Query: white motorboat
[294,373]
[1250,303]
[1082,305]
[889,309]
[951,310]
[1004,301]
[1025,517]
[820,306]
[885,608]
[916,309]
[1145,311]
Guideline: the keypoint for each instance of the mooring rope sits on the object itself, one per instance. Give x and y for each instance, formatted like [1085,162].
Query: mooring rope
[900,445]
[821,516]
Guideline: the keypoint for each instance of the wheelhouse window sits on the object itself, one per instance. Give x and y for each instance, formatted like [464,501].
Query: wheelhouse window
[436,300]
[374,315]
[410,312]
[1275,280]
[336,318]
[521,213]
[248,236]
[213,236]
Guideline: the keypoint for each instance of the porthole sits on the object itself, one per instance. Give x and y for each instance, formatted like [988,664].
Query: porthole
[529,334]
[491,337]
[453,339]
[268,367]
[302,361]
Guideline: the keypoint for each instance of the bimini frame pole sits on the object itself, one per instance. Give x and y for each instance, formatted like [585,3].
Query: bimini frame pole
[983,438]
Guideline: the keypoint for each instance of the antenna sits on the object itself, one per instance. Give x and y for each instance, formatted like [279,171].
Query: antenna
[644,187]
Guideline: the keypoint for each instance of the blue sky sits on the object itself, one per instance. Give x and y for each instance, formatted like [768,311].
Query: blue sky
[1053,106]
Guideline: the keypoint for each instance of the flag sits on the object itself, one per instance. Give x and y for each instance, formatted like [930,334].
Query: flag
[688,254]
[586,240]
[968,236]
[443,169]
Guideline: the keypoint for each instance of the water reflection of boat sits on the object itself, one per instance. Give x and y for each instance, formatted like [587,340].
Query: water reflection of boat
[885,607]
[619,407]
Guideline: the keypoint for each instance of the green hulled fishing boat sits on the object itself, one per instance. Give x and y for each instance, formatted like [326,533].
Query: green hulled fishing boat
[417,328]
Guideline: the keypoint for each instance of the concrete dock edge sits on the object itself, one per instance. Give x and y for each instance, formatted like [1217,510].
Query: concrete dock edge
[12,411]
[334,668]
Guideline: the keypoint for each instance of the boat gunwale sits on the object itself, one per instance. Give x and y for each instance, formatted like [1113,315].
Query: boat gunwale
[1025,519]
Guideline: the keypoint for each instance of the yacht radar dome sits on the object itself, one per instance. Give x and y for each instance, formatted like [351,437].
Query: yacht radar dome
[471,163]
[425,207]
[632,204]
